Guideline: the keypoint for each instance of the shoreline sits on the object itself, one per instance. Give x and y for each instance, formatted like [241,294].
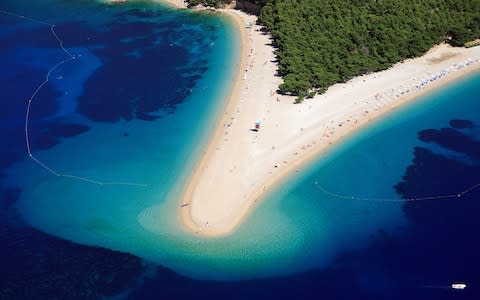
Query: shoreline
[228,164]
[180,4]
[240,165]
[238,23]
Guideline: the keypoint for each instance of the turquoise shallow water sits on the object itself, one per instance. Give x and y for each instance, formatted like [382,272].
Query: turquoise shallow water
[297,227]
[368,164]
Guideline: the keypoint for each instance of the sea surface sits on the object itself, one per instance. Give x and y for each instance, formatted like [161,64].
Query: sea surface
[118,128]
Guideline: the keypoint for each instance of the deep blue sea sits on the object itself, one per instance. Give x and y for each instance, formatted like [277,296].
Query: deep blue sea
[117,129]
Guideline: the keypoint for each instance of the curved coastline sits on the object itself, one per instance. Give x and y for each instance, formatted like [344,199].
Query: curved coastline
[231,167]
[185,212]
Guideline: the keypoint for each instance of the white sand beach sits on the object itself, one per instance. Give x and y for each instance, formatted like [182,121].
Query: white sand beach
[240,165]
[175,3]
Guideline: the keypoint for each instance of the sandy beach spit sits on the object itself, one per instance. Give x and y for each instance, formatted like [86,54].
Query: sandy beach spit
[241,165]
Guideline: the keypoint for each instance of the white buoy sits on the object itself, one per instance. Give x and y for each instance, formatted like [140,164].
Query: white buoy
[458,286]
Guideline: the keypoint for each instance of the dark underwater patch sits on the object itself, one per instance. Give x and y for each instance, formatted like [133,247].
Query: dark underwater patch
[40,37]
[77,34]
[35,265]
[138,13]
[19,87]
[49,134]
[461,124]
[159,76]
[444,247]
[452,139]
[126,87]
[38,266]
[44,132]
[9,197]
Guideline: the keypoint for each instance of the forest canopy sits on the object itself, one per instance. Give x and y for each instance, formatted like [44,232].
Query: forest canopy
[322,42]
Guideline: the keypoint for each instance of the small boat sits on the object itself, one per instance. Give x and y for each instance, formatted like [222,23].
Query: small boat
[459,286]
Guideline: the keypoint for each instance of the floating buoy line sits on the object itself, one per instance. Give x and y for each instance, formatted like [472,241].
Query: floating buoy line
[70,57]
[386,199]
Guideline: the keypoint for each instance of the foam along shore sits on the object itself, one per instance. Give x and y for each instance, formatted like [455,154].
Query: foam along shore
[240,165]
